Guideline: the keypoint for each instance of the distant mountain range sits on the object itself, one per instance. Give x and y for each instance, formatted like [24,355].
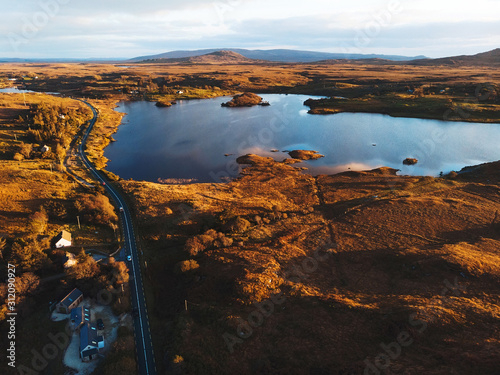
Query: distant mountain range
[276,55]
[246,56]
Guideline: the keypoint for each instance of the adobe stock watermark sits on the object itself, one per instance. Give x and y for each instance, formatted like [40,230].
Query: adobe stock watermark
[11,315]
[31,25]
[392,351]
[372,29]
[223,7]
[263,310]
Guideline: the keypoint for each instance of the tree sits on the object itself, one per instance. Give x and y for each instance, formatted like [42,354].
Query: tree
[26,284]
[60,154]
[119,272]
[38,221]
[86,268]
[25,149]
[28,254]
[97,208]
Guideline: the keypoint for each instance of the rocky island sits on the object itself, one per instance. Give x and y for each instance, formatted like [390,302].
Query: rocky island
[246,99]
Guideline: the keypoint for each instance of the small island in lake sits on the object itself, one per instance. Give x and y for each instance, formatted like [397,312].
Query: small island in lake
[410,161]
[246,99]
[305,155]
[164,103]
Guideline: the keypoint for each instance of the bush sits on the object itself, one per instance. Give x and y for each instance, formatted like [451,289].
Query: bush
[186,265]
[18,157]
[194,246]
[238,225]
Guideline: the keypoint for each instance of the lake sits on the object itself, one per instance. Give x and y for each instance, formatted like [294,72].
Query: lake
[190,139]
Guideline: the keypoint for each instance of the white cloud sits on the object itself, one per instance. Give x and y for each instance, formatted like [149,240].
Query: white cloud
[103,27]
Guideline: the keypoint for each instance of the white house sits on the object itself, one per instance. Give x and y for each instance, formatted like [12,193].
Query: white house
[63,239]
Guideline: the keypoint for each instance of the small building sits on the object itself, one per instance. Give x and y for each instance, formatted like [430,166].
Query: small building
[180,92]
[69,302]
[45,149]
[90,342]
[79,316]
[63,239]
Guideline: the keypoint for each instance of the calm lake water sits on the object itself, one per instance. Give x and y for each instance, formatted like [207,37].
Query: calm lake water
[189,140]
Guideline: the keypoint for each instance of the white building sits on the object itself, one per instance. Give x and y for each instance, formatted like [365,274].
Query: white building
[63,239]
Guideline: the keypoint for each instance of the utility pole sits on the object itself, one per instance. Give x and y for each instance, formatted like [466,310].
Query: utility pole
[186,304]
[78,218]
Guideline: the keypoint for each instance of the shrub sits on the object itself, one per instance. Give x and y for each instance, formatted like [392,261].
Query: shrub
[194,246]
[18,156]
[226,241]
[238,225]
[187,265]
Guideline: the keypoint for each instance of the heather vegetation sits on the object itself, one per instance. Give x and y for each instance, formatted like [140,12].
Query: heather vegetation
[334,264]
[279,262]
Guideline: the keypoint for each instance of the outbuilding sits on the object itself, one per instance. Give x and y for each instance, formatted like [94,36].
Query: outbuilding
[69,302]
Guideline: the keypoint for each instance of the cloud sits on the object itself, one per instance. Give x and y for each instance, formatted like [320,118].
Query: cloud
[118,28]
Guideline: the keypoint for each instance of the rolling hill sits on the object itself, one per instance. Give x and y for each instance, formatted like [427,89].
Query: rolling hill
[490,58]
[217,57]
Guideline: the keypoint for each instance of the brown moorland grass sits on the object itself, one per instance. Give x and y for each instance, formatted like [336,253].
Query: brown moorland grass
[397,254]
[465,93]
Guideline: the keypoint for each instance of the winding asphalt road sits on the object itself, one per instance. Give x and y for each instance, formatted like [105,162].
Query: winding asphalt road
[144,346]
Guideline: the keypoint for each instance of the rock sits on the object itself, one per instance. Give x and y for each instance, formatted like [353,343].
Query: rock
[410,161]
[253,159]
[305,155]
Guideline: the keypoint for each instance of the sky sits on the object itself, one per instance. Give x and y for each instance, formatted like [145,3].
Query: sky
[130,28]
